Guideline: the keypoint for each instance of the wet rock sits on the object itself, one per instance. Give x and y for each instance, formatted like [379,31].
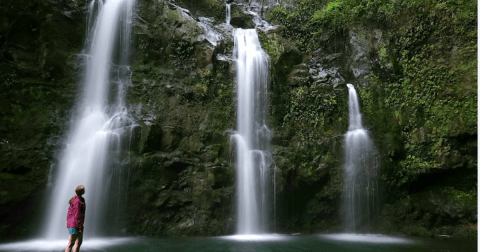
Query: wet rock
[283,54]
[205,8]
[240,18]
[299,76]
[38,80]
[181,89]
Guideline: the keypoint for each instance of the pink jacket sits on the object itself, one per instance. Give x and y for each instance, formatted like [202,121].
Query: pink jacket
[76,213]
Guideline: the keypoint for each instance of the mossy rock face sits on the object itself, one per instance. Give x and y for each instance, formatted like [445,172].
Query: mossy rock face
[239,18]
[178,194]
[164,32]
[442,205]
[283,54]
[395,69]
[181,96]
[38,78]
[206,8]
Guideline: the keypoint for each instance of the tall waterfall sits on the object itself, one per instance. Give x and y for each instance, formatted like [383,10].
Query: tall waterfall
[94,140]
[360,195]
[228,17]
[252,138]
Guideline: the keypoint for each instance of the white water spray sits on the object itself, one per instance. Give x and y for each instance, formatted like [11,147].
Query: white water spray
[94,140]
[360,196]
[252,138]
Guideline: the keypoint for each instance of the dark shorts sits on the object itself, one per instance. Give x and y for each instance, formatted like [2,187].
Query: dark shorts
[73,231]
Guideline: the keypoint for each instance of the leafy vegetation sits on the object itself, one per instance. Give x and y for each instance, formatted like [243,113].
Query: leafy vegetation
[421,102]
[310,19]
[312,113]
[297,22]
[431,96]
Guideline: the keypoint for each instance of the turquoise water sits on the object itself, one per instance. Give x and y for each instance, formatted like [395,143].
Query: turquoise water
[270,243]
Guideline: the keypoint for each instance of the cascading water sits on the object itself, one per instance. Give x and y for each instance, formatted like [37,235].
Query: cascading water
[360,195]
[252,138]
[228,14]
[95,138]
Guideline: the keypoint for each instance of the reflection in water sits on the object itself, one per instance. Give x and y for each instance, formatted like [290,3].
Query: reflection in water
[263,237]
[57,245]
[366,238]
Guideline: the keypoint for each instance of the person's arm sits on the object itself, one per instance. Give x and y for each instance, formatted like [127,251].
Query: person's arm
[71,215]
[78,216]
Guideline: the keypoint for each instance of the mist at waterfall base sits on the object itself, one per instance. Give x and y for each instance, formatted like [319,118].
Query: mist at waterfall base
[268,243]
[360,199]
[99,127]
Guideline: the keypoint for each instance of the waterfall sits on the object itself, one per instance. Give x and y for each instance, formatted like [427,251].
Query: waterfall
[94,141]
[252,138]
[360,195]
[228,14]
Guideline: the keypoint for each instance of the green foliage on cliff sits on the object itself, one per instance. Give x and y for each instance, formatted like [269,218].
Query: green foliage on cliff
[312,109]
[296,22]
[465,197]
[310,19]
[272,45]
[420,100]
[430,95]
[314,121]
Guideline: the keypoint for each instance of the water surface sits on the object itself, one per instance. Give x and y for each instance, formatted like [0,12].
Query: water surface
[264,243]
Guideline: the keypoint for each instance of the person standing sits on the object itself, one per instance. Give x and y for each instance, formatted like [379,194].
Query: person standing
[75,219]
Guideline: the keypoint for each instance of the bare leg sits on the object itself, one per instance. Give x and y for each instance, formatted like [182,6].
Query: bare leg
[71,242]
[78,243]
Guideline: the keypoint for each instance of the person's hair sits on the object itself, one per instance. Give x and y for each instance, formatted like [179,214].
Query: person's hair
[79,189]
[78,192]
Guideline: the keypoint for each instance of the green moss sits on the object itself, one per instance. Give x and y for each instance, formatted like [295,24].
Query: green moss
[415,230]
[221,113]
[272,45]
[466,198]
[202,86]
[295,21]
[310,19]
[6,176]
[174,16]
[310,113]
[216,8]
[182,49]
[142,74]
[429,98]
